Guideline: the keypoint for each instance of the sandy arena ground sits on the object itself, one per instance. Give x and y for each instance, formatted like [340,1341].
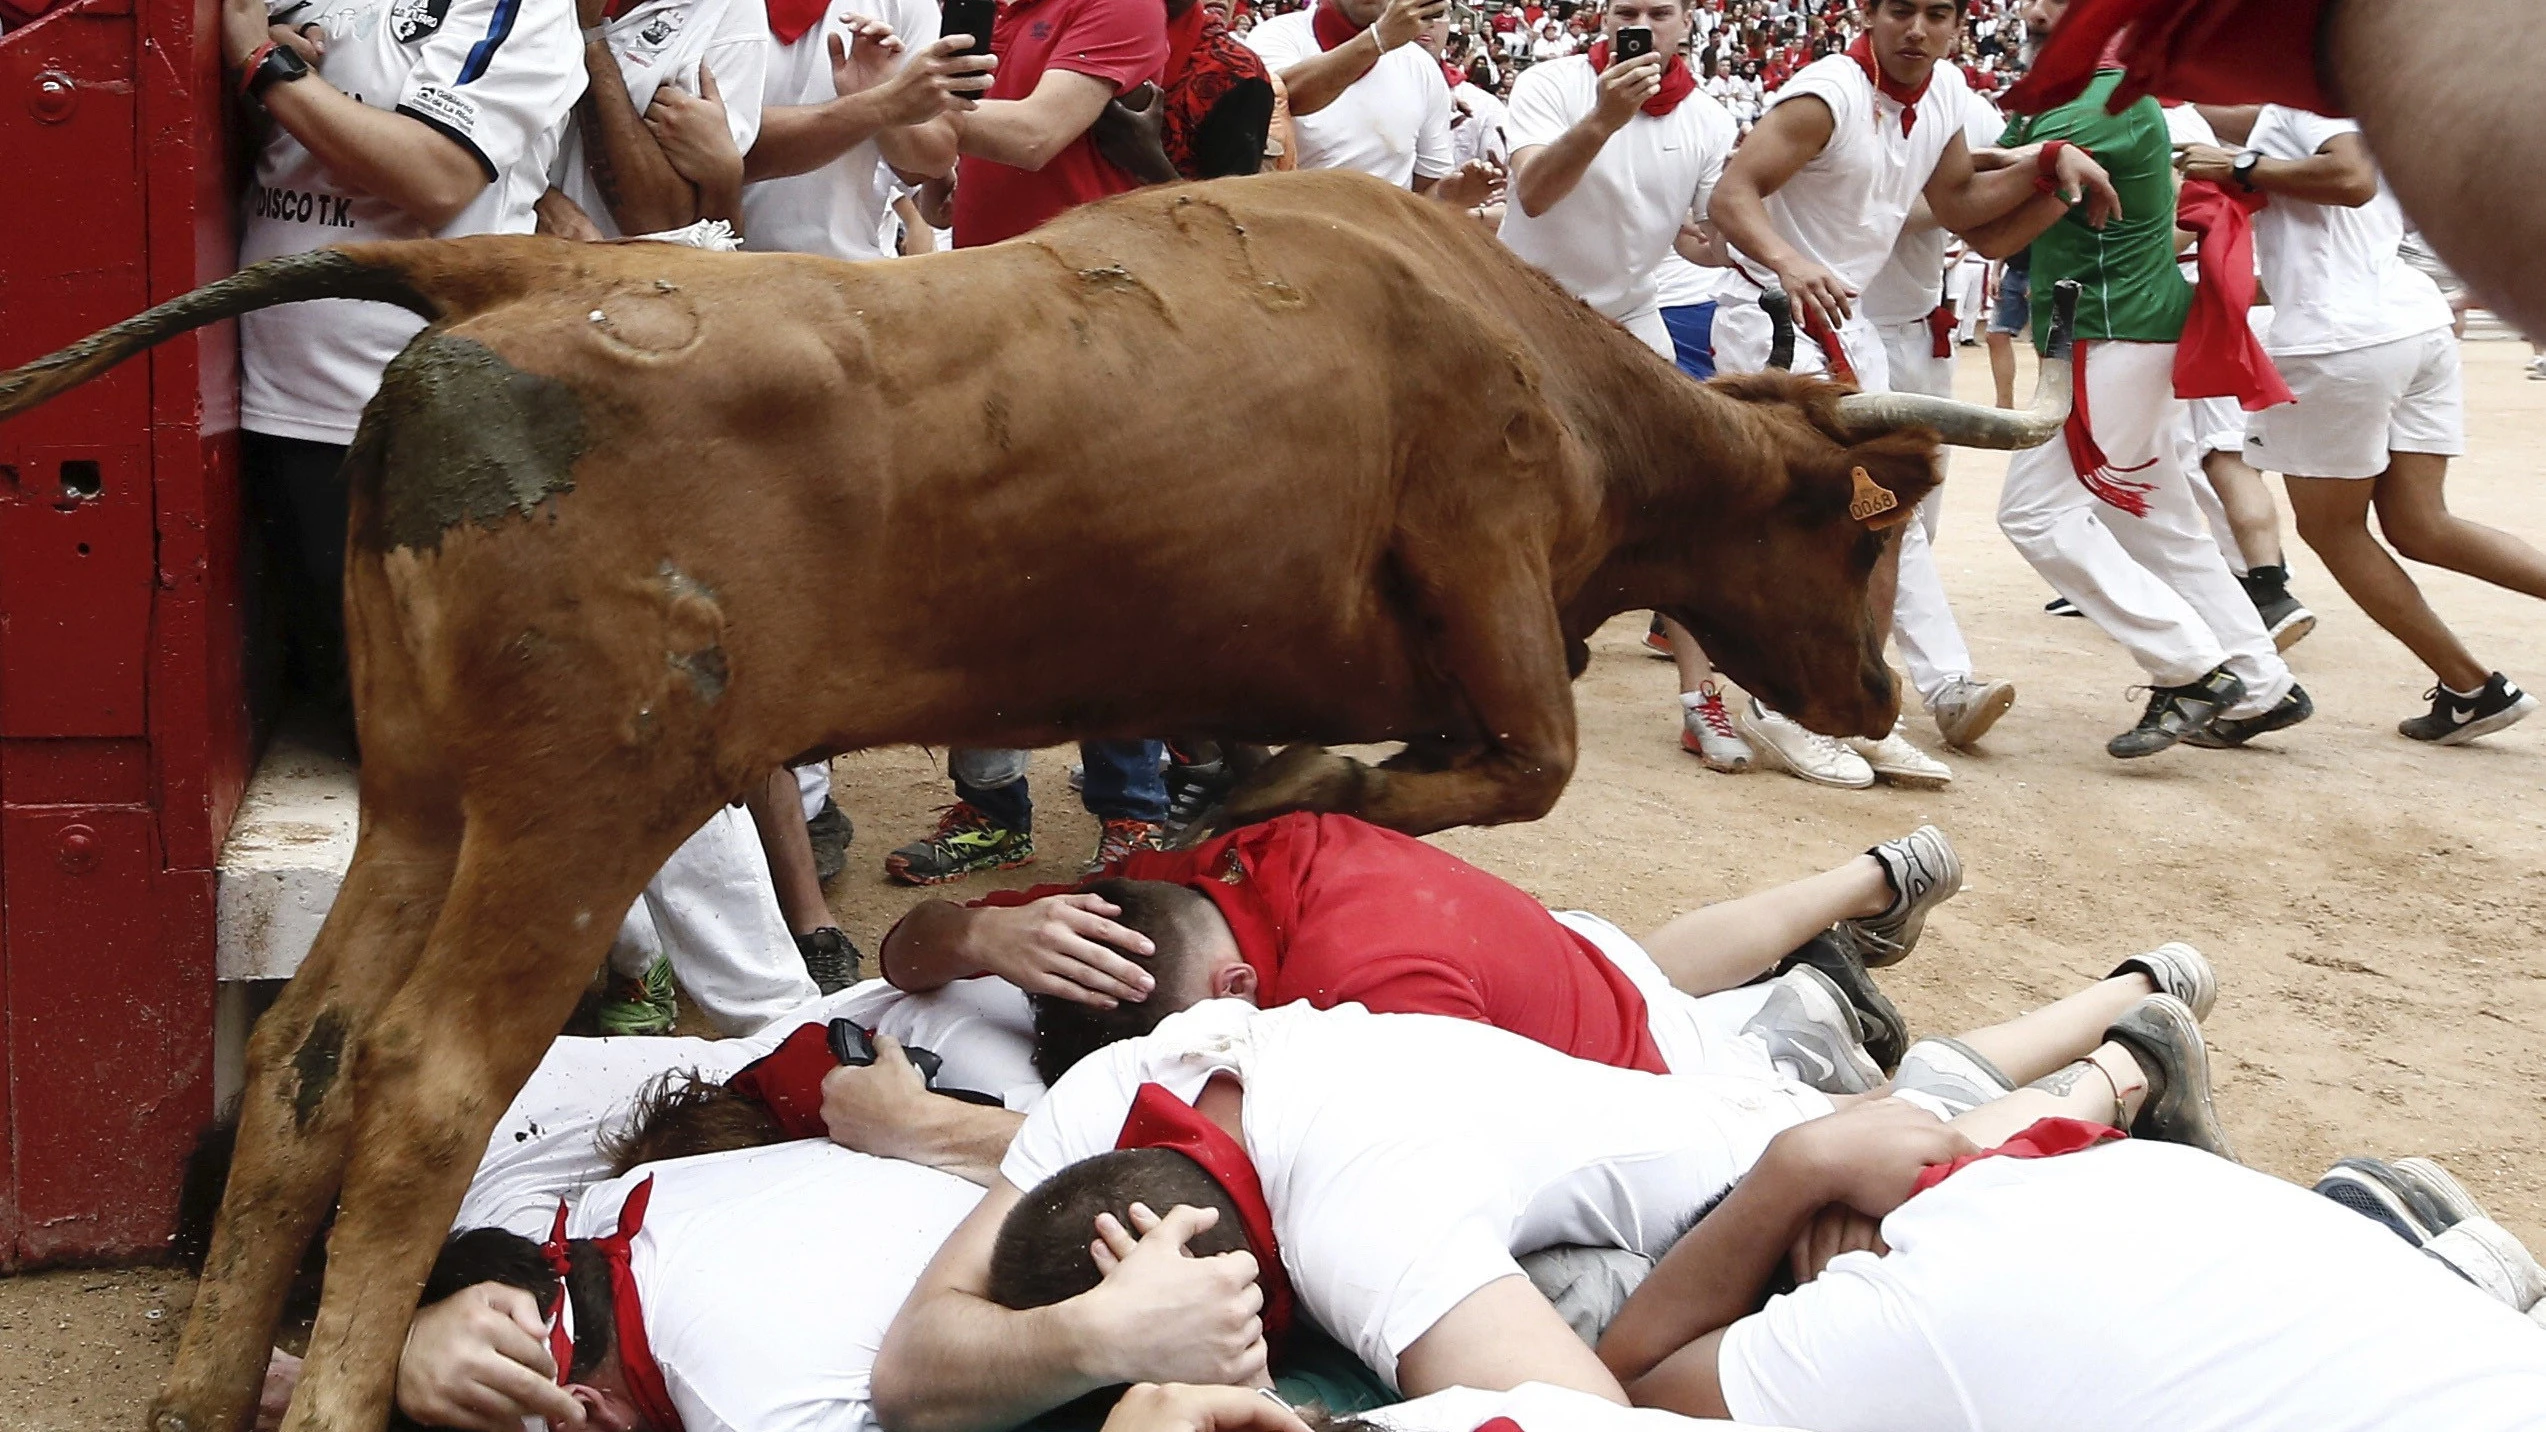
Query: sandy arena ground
[2375,907]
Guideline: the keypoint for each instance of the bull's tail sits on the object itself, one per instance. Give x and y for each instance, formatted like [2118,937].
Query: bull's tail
[389,272]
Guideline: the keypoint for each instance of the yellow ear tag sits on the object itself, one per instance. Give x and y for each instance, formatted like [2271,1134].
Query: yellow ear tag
[1871,501]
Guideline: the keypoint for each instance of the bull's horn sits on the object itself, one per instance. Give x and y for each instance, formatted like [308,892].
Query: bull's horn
[1969,424]
[1781,328]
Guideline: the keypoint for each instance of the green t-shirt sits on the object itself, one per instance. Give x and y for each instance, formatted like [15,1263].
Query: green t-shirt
[2128,285]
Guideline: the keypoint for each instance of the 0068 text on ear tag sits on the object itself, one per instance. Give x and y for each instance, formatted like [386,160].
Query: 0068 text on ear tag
[1872,500]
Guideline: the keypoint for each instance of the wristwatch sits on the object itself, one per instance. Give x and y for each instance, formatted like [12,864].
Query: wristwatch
[281,64]
[2243,170]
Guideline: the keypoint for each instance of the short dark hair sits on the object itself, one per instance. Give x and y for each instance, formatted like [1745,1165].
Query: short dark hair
[1041,1258]
[1176,918]
[682,1112]
[498,1255]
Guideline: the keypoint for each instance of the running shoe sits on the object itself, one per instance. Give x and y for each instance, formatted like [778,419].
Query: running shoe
[1924,872]
[2284,617]
[2061,607]
[1838,954]
[965,841]
[1895,760]
[2537,370]
[1782,745]
[830,832]
[2370,1188]
[640,1004]
[2227,732]
[2164,1038]
[1656,640]
[2435,1190]
[1707,731]
[1812,1036]
[1968,707]
[829,958]
[1950,1076]
[2455,719]
[1194,790]
[2179,970]
[1117,838]
[2492,1258]
[2175,712]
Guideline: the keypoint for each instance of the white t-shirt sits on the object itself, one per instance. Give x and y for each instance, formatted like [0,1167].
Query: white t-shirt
[1844,208]
[1605,241]
[1408,1158]
[661,42]
[2136,1287]
[1393,122]
[1480,134]
[545,1146]
[498,77]
[768,1276]
[840,209]
[1912,282]
[2336,276]
[1534,1407]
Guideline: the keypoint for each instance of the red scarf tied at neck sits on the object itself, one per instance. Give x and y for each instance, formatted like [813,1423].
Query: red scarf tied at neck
[1677,83]
[636,1356]
[1862,51]
[1332,26]
[789,19]
[1160,1120]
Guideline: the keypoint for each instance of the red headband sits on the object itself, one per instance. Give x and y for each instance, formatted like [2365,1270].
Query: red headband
[1160,1120]
[636,1356]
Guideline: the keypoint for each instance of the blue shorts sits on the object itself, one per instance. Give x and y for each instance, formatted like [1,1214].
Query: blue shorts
[2014,306]
[1693,338]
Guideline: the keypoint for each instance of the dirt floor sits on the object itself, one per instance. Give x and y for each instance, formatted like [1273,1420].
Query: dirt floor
[2375,907]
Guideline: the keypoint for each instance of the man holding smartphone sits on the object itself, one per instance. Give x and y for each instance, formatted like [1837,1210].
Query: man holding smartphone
[1363,94]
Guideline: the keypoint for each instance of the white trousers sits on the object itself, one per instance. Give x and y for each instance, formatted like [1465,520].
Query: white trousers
[2154,583]
[713,912]
[813,786]
[1923,626]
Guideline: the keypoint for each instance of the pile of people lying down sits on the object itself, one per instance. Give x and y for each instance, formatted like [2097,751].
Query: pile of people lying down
[1316,1121]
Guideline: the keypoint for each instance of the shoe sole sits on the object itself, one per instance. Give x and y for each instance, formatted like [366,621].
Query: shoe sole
[2205,991]
[1977,721]
[2207,735]
[2293,629]
[1882,1031]
[1909,779]
[2447,1197]
[1866,1073]
[2161,1029]
[1731,767]
[898,870]
[2508,716]
[1770,758]
[1895,947]
[2352,1185]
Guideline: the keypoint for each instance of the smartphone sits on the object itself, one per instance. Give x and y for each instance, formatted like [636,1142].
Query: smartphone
[1634,42]
[975,18]
[850,1044]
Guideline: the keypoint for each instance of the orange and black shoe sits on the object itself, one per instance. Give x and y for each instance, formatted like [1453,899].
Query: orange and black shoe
[1656,640]
[1117,839]
[965,841]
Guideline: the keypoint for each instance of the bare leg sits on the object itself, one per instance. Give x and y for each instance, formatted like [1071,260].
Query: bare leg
[2333,517]
[2253,518]
[1688,656]
[1723,945]
[2413,510]
[2106,1087]
[2002,367]
[2031,1046]
[778,812]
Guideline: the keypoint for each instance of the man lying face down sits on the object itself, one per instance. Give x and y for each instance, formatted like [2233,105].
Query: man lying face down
[1400,1163]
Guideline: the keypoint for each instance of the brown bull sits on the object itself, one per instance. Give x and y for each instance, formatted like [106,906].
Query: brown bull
[1294,459]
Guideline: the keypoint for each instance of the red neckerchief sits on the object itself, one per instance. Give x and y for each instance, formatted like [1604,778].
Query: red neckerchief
[2042,1139]
[789,19]
[2218,355]
[1862,51]
[1160,1120]
[788,1079]
[1677,83]
[1183,33]
[1331,25]
[636,1357]
[2206,51]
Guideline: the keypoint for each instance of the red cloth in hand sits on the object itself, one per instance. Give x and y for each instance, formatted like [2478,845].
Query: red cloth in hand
[2044,1138]
[2219,356]
[788,1079]
[1940,331]
[2207,51]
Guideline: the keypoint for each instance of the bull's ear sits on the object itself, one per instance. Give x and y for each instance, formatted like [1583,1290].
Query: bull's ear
[1874,504]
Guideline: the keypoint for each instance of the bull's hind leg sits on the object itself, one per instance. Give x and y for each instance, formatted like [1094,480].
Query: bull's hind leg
[527,920]
[297,1114]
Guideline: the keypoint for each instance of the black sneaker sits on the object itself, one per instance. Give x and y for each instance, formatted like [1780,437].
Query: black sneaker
[2372,1189]
[965,841]
[830,832]
[2226,731]
[830,958]
[1836,954]
[2061,607]
[1194,790]
[2175,712]
[2164,1038]
[2455,719]
[2269,589]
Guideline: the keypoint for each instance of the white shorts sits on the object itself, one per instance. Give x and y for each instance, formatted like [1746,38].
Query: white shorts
[2355,408]
[2215,425]
[1697,1034]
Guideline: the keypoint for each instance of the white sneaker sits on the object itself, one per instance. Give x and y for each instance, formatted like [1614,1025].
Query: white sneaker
[1894,759]
[1783,745]
[1811,1034]
[2491,1257]
[1967,708]
[1706,730]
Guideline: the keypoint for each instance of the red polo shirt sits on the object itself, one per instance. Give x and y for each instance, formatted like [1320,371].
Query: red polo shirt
[1334,910]
[1121,42]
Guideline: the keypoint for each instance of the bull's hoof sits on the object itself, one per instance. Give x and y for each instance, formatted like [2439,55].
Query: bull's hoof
[1302,777]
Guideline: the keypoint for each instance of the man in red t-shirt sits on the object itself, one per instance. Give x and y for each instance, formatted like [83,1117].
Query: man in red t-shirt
[1026,154]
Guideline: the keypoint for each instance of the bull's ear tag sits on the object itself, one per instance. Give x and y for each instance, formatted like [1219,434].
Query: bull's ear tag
[1871,501]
